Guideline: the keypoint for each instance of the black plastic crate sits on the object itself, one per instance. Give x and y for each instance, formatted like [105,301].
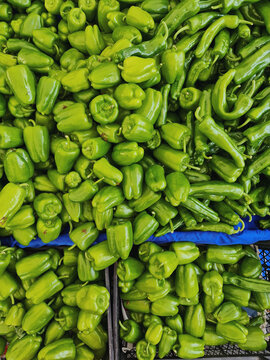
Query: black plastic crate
[227,351]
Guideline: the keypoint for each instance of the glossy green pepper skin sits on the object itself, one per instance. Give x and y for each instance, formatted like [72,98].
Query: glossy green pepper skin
[18,166]
[144,226]
[104,76]
[57,349]
[20,77]
[129,96]
[84,235]
[36,318]
[96,293]
[28,346]
[127,153]
[36,139]
[49,230]
[120,239]
[10,137]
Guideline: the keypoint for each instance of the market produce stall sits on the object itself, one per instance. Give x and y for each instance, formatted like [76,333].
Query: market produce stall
[128,123]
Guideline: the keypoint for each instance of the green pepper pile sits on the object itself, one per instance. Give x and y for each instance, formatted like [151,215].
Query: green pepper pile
[50,310]
[134,117]
[184,298]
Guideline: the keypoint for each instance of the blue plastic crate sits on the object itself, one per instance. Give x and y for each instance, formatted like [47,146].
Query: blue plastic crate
[250,235]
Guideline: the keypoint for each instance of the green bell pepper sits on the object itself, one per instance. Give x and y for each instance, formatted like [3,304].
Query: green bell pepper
[28,346]
[93,298]
[155,178]
[21,77]
[232,331]
[145,351]
[120,239]
[144,226]
[127,153]
[186,252]
[18,166]
[63,348]
[211,338]
[11,197]
[129,269]
[227,312]
[10,137]
[87,322]
[36,318]
[43,288]
[186,281]
[15,315]
[84,235]
[104,76]
[85,269]
[194,322]
[53,332]
[166,306]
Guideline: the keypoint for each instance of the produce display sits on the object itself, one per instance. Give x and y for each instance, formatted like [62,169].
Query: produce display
[50,310]
[183,298]
[134,117]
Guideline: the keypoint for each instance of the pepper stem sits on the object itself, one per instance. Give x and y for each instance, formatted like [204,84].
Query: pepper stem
[99,180]
[245,22]
[242,142]
[215,7]
[60,261]
[72,247]
[184,28]
[84,284]
[12,299]
[243,225]
[184,145]
[206,157]
[197,114]
[249,217]
[193,167]
[122,326]
[70,229]
[87,257]
[215,59]
[266,335]
[171,226]
[121,67]
[32,121]
[245,123]
[80,345]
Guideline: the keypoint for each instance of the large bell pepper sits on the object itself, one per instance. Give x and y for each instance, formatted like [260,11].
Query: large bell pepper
[107,172]
[103,219]
[225,254]
[34,265]
[100,256]
[211,338]
[255,340]
[236,295]
[37,142]
[11,198]
[148,249]
[155,178]
[227,312]
[10,137]
[145,351]
[186,281]
[132,181]
[173,159]
[96,340]
[47,206]
[162,265]
[120,239]
[18,166]
[53,332]
[65,118]
[168,340]
[36,318]
[63,348]
[47,93]
[8,286]
[20,77]
[49,230]
[15,315]
[147,199]
[163,211]
[136,127]
[194,321]
[93,298]
[105,75]
[107,198]
[166,306]
[144,226]
[232,331]
[130,331]
[21,348]
[129,269]
[154,333]
[84,235]
[186,252]
[129,96]
[67,317]
[65,156]
[250,267]
[212,283]
[87,321]
[36,60]
[190,347]
[127,153]
[85,269]
[43,288]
